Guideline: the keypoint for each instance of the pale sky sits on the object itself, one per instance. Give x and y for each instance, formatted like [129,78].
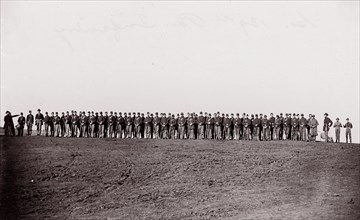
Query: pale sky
[253,57]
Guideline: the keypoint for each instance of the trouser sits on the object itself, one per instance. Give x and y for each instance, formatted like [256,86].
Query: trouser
[348,135]
[209,132]
[172,132]
[83,130]
[191,132]
[110,131]
[266,131]
[129,131]
[201,132]
[227,132]
[326,135]
[313,134]
[147,131]
[281,131]
[272,133]
[38,127]
[337,134]
[57,130]
[74,130]
[92,130]
[218,134]
[138,131]
[21,131]
[29,129]
[276,133]
[302,133]
[294,133]
[156,132]
[182,132]
[120,131]
[260,133]
[164,132]
[47,126]
[68,129]
[101,130]
[236,133]
[52,130]
[256,133]
[286,132]
[247,135]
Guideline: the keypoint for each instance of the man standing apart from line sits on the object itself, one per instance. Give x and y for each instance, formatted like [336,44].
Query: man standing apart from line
[337,126]
[348,127]
[313,123]
[21,122]
[327,124]
[39,118]
[29,123]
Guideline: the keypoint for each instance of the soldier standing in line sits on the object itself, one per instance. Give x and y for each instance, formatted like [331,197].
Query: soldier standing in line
[74,124]
[348,127]
[67,123]
[164,124]
[232,126]
[277,127]
[266,128]
[96,127]
[111,125]
[337,126]
[92,122]
[260,127]
[281,126]
[137,123]
[148,121]
[172,124]
[191,126]
[227,127]
[100,121]
[286,126]
[256,127]
[247,130]
[106,124]
[52,125]
[252,127]
[218,123]
[120,124]
[205,120]
[29,123]
[294,127]
[308,126]
[88,132]
[237,123]
[327,124]
[209,127]
[129,126]
[182,124]
[156,126]
[39,118]
[47,123]
[272,125]
[313,123]
[83,121]
[302,128]
[57,124]
[201,126]
[62,124]
[242,126]
[142,125]
[21,123]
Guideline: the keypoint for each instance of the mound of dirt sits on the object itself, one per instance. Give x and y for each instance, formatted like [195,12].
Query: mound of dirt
[66,178]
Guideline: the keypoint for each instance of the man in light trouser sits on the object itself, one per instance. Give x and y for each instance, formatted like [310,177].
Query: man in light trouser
[348,127]
[148,121]
[57,125]
[327,124]
[313,123]
[302,128]
[39,118]
[337,126]
[67,122]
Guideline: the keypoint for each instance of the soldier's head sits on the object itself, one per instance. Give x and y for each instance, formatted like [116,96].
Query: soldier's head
[227,115]
[294,115]
[271,114]
[265,116]
[115,113]
[286,114]
[106,113]
[182,114]
[223,115]
[173,116]
[100,113]
[92,113]
[256,116]
[142,114]
[111,112]
[297,115]
[169,114]
[148,113]
[46,113]
[243,114]
[247,116]
[261,115]
[56,113]
[96,113]
[129,114]
[310,115]
[67,112]
[30,111]
[75,112]
[138,113]
[178,115]
[232,115]
[119,113]
[62,113]
[7,113]
[347,119]
[218,113]
[302,115]
[209,115]
[134,113]
[205,113]
[326,114]
[201,113]
[39,110]
[252,116]
[156,114]
[337,119]
[313,116]
[125,114]
[151,115]
[277,116]
[237,115]
[281,114]
[21,113]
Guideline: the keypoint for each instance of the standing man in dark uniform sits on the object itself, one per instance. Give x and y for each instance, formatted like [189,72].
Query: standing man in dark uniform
[327,125]
[277,127]
[129,126]
[287,126]
[106,124]
[218,124]
[148,125]
[201,126]
[111,125]
[68,125]
[29,123]
[92,122]
[156,126]
[191,126]
[52,125]
[348,125]
[138,122]
[47,123]
[57,125]
[83,120]
[39,118]
[172,123]
[256,127]
[247,131]
[294,127]
[227,127]
[302,128]
[21,123]
[266,128]
[9,124]
[272,125]
[209,127]
[182,124]
[281,126]
[74,124]
[237,124]
[261,127]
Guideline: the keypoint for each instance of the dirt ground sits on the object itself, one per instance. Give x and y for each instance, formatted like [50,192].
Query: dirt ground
[65,178]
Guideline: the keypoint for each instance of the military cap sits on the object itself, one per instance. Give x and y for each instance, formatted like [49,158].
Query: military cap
[256,115]
[281,114]
[67,111]
[252,115]
[75,111]
[138,113]
[62,113]
[96,113]
[209,114]
[7,112]
[265,116]
[119,113]
[302,114]
[151,114]
[56,112]
[39,110]
[277,116]
[147,112]
[21,113]
[142,114]
[326,114]
[46,112]
[100,112]
[181,113]
[237,114]
[261,114]
[294,114]
[337,118]
[313,115]
[88,111]
[29,111]
[247,115]
[347,119]
[243,114]
[227,114]
[232,114]
[115,113]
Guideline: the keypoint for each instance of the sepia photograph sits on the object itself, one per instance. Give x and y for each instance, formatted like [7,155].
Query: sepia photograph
[146,109]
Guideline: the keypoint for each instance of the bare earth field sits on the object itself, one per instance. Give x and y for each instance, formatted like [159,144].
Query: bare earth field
[62,178]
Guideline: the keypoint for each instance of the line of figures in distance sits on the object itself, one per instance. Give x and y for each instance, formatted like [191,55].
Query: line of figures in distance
[192,126]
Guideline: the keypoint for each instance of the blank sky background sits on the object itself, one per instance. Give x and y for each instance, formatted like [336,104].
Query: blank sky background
[173,56]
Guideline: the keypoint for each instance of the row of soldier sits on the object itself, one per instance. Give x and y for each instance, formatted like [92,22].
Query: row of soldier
[192,126]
